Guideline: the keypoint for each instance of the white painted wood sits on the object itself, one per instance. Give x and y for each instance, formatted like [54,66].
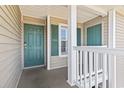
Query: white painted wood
[59,34]
[72,41]
[96,69]
[93,81]
[120,44]
[48,42]
[85,62]
[112,28]
[90,68]
[103,73]
[110,51]
[77,65]
[104,69]
[81,68]
[112,44]
[96,10]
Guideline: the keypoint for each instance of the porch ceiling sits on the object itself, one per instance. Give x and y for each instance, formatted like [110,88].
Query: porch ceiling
[84,13]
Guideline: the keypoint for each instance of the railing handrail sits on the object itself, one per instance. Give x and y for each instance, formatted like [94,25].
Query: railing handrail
[99,49]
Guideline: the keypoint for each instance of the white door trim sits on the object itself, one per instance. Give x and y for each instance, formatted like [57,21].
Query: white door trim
[34,66]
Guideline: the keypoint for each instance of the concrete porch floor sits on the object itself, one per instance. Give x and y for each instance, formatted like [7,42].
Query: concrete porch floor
[42,78]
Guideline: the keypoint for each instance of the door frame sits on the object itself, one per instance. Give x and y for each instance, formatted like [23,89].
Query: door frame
[23,46]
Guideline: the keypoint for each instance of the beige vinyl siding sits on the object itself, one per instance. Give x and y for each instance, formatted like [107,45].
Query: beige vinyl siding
[59,61]
[95,21]
[105,30]
[120,44]
[32,20]
[57,21]
[10,46]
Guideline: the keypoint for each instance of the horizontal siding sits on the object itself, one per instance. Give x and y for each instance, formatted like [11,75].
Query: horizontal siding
[120,44]
[10,45]
[57,21]
[32,20]
[58,62]
[105,30]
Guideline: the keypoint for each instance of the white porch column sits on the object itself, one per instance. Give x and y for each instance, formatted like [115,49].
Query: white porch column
[111,44]
[72,41]
[48,43]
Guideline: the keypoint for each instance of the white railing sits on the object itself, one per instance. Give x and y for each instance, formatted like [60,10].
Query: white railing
[92,66]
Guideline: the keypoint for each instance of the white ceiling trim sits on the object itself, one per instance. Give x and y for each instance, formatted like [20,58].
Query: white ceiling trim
[96,10]
[85,13]
[89,19]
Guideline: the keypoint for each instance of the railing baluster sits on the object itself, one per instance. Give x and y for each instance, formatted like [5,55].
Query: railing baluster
[77,66]
[81,68]
[104,69]
[85,67]
[108,58]
[96,69]
[90,68]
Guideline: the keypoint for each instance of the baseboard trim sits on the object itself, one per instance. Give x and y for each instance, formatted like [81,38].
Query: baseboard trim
[33,67]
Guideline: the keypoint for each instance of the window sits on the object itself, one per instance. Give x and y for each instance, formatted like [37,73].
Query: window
[63,40]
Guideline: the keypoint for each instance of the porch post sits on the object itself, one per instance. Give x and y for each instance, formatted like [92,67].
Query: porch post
[72,41]
[111,44]
[48,43]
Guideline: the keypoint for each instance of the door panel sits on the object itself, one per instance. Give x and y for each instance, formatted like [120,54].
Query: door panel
[34,45]
[94,35]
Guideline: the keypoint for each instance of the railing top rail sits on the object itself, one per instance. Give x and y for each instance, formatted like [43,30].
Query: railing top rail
[99,49]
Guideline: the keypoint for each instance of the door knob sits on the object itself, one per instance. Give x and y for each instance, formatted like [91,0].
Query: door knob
[25,44]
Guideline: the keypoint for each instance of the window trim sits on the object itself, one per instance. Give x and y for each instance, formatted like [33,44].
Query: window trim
[60,25]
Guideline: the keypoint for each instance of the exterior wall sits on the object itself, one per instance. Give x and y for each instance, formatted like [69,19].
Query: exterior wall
[37,21]
[105,30]
[95,21]
[10,46]
[59,61]
[120,44]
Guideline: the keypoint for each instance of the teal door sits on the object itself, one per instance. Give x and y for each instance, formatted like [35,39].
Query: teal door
[33,45]
[94,35]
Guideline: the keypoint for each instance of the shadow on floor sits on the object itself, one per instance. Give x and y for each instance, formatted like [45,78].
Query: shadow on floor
[42,78]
